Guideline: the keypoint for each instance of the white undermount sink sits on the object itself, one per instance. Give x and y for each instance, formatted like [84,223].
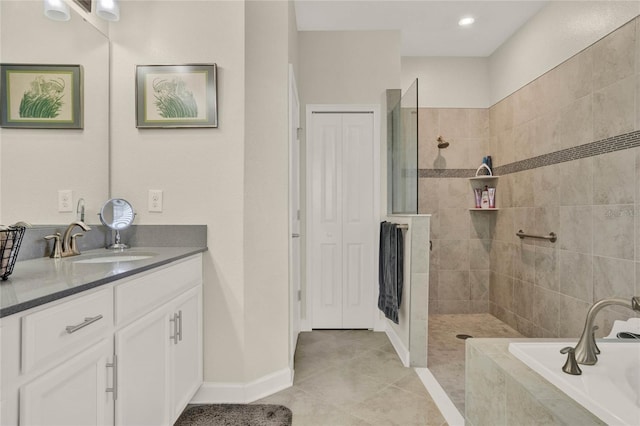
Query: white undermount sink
[112,258]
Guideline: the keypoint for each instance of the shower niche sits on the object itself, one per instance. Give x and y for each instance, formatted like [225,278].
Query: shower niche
[479,183]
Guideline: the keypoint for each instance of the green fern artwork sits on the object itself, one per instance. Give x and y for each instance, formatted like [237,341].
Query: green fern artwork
[43,99]
[174,99]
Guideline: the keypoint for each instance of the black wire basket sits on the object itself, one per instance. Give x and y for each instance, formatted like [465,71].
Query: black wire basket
[10,240]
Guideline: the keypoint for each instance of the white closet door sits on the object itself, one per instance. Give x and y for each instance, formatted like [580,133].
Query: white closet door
[326,226]
[358,229]
[341,220]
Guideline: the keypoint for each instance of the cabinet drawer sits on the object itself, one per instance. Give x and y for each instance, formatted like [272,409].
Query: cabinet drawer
[59,332]
[141,295]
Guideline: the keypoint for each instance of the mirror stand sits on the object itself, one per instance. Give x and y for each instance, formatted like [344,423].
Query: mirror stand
[117,245]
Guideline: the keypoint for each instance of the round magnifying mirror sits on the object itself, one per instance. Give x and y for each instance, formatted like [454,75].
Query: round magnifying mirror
[117,214]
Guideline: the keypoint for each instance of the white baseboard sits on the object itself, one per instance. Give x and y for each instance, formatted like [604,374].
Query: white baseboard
[400,348]
[440,397]
[243,393]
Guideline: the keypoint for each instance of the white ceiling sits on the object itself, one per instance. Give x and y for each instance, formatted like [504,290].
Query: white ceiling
[429,28]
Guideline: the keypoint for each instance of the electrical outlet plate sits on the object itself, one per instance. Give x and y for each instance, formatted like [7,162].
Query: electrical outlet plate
[65,200]
[155,200]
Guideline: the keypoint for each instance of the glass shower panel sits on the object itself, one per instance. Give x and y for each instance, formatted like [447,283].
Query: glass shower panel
[404,153]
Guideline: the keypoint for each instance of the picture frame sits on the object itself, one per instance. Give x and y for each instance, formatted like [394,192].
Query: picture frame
[37,96]
[176,96]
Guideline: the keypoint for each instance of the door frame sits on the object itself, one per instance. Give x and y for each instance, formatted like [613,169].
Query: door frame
[341,108]
[294,284]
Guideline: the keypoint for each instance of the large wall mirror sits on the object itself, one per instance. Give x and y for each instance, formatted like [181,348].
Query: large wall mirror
[36,163]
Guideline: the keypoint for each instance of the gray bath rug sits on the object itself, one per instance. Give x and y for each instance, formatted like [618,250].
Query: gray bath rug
[235,415]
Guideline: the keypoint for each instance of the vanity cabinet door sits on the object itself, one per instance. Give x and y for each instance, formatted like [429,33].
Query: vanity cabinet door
[187,350]
[73,394]
[143,350]
[159,352]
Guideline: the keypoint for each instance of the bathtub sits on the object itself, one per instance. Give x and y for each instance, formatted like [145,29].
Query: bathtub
[610,389]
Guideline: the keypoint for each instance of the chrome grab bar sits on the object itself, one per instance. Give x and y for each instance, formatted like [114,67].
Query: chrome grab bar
[551,237]
[89,320]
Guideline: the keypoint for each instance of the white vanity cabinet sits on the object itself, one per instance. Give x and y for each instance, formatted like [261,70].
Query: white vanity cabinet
[159,344]
[159,362]
[54,362]
[126,353]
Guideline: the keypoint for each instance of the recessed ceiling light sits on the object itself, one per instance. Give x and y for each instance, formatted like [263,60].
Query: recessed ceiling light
[466,21]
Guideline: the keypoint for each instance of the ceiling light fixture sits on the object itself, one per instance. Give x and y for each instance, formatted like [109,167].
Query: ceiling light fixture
[57,10]
[466,21]
[108,10]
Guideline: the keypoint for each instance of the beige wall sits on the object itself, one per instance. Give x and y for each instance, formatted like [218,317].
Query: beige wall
[559,31]
[293,38]
[266,177]
[448,82]
[348,67]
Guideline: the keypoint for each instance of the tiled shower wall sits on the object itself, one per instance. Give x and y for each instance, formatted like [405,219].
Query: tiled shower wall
[459,261]
[542,288]
[565,167]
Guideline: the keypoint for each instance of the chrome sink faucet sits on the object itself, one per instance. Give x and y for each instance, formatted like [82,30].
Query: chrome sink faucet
[68,246]
[586,351]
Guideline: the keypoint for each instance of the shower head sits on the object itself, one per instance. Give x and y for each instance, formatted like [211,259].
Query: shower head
[442,143]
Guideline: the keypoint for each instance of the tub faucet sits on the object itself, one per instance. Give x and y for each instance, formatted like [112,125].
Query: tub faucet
[586,351]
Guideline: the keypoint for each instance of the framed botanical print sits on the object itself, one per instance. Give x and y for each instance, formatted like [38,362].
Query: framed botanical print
[170,96]
[41,96]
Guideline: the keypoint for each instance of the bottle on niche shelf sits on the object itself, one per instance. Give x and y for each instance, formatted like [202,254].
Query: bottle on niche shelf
[484,203]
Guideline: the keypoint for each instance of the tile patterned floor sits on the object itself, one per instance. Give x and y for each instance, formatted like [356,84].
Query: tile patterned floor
[445,352]
[354,377]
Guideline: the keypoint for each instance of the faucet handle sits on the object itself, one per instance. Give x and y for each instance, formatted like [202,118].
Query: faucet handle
[55,252]
[571,366]
[74,244]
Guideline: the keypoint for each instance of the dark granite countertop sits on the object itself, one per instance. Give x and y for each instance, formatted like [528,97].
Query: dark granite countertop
[43,280]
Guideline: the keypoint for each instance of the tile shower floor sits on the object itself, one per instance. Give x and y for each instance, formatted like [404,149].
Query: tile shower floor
[354,377]
[445,352]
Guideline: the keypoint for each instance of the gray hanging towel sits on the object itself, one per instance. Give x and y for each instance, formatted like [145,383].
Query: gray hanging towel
[391,270]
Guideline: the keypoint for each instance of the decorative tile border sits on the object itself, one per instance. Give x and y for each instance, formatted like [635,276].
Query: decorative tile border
[604,146]
[446,173]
